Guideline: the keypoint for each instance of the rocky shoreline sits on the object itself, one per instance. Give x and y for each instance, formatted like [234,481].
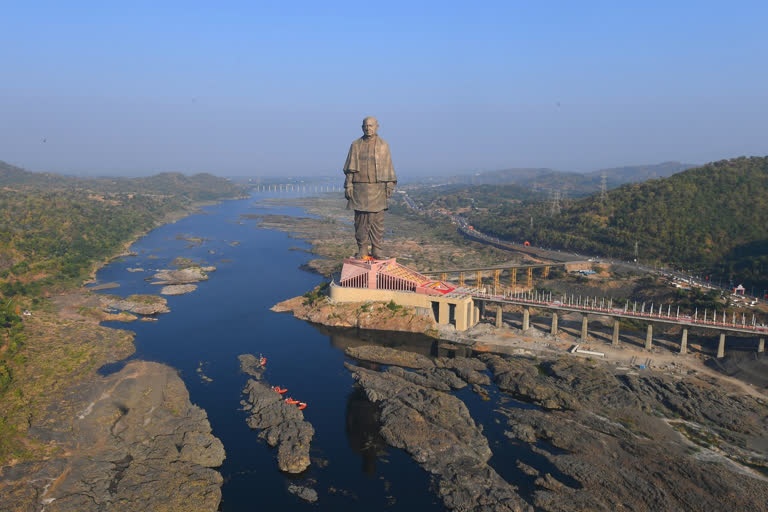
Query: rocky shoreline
[128,441]
[436,429]
[601,438]
[361,315]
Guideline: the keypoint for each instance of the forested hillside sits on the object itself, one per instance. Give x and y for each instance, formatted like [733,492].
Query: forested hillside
[711,219]
[458,197]
[198,187]
[53,228]
[571,184]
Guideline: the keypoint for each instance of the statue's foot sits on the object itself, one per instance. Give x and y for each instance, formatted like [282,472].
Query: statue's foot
[361,255]
[377,255]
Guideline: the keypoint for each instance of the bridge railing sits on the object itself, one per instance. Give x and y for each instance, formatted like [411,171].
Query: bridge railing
[609,310]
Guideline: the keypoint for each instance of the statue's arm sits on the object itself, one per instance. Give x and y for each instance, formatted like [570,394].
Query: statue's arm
[389,186]
[348,186]
[349,169]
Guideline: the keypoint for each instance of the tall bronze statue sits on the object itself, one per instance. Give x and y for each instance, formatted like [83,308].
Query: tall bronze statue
[370,181]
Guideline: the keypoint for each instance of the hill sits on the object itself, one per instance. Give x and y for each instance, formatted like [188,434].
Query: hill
[709,219]
[570,184]
[53,228]
[460,198]
[198,187]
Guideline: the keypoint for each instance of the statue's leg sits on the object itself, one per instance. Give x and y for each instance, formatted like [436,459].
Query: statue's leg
[377,233]
[362,233]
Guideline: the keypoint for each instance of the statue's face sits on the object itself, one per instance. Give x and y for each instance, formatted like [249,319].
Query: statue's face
[369,127]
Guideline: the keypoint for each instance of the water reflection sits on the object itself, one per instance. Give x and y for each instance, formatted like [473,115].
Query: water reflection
[343,338]
[363,430]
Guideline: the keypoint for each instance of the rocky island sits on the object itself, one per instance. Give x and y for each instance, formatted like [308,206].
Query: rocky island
[279,423]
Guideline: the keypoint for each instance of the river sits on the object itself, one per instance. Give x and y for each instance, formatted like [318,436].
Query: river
[229,315]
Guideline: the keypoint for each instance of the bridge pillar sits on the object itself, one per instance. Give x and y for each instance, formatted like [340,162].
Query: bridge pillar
[649,337]
[684,342]
[475,313]
[761,345]
[526,318]
[584,323]
[462,315]
[499,317]
[615,338]
[721,346]
[553,331]
[442,313]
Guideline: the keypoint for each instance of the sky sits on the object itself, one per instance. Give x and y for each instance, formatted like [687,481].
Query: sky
[280,88]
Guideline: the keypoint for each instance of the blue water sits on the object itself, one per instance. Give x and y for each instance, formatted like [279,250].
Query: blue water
[229,315]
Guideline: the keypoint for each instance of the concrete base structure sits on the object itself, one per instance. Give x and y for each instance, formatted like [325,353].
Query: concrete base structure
[458,311]
[499,317]
[761,345]
[615,338]
[649,338]
[684,342]
[553,331]
[584,325]
[526,318]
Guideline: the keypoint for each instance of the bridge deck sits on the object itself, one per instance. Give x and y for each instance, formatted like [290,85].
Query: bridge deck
[682,320]
[502,267]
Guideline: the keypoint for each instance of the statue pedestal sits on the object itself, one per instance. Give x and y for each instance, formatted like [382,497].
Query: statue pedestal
[388,275]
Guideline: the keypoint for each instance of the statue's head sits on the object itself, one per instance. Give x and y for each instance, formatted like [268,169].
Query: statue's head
[370,126]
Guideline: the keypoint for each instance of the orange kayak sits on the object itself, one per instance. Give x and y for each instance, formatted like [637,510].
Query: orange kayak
[291,401]
[302,405]
[278,389]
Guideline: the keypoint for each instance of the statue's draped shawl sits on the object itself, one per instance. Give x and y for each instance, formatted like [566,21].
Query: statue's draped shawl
[383,160]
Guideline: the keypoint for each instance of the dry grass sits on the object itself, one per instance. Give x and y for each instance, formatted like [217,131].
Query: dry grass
[58,353]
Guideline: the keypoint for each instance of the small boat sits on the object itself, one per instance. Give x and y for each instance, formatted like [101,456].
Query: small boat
[263,361]
[291,401]
[278,389]
[302,405]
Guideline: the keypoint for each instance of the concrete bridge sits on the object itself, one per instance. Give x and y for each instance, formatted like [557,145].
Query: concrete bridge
[496,271]
[591,306]
[297,187]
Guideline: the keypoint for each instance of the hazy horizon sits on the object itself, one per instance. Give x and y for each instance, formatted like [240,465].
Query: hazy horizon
[238,90]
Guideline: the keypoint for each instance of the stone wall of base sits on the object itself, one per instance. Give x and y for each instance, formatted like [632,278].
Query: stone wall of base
[458,311]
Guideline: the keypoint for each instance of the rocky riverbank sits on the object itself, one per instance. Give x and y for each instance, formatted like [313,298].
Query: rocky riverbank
[436,429]
[362,315]
[128,441]
[600,437]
